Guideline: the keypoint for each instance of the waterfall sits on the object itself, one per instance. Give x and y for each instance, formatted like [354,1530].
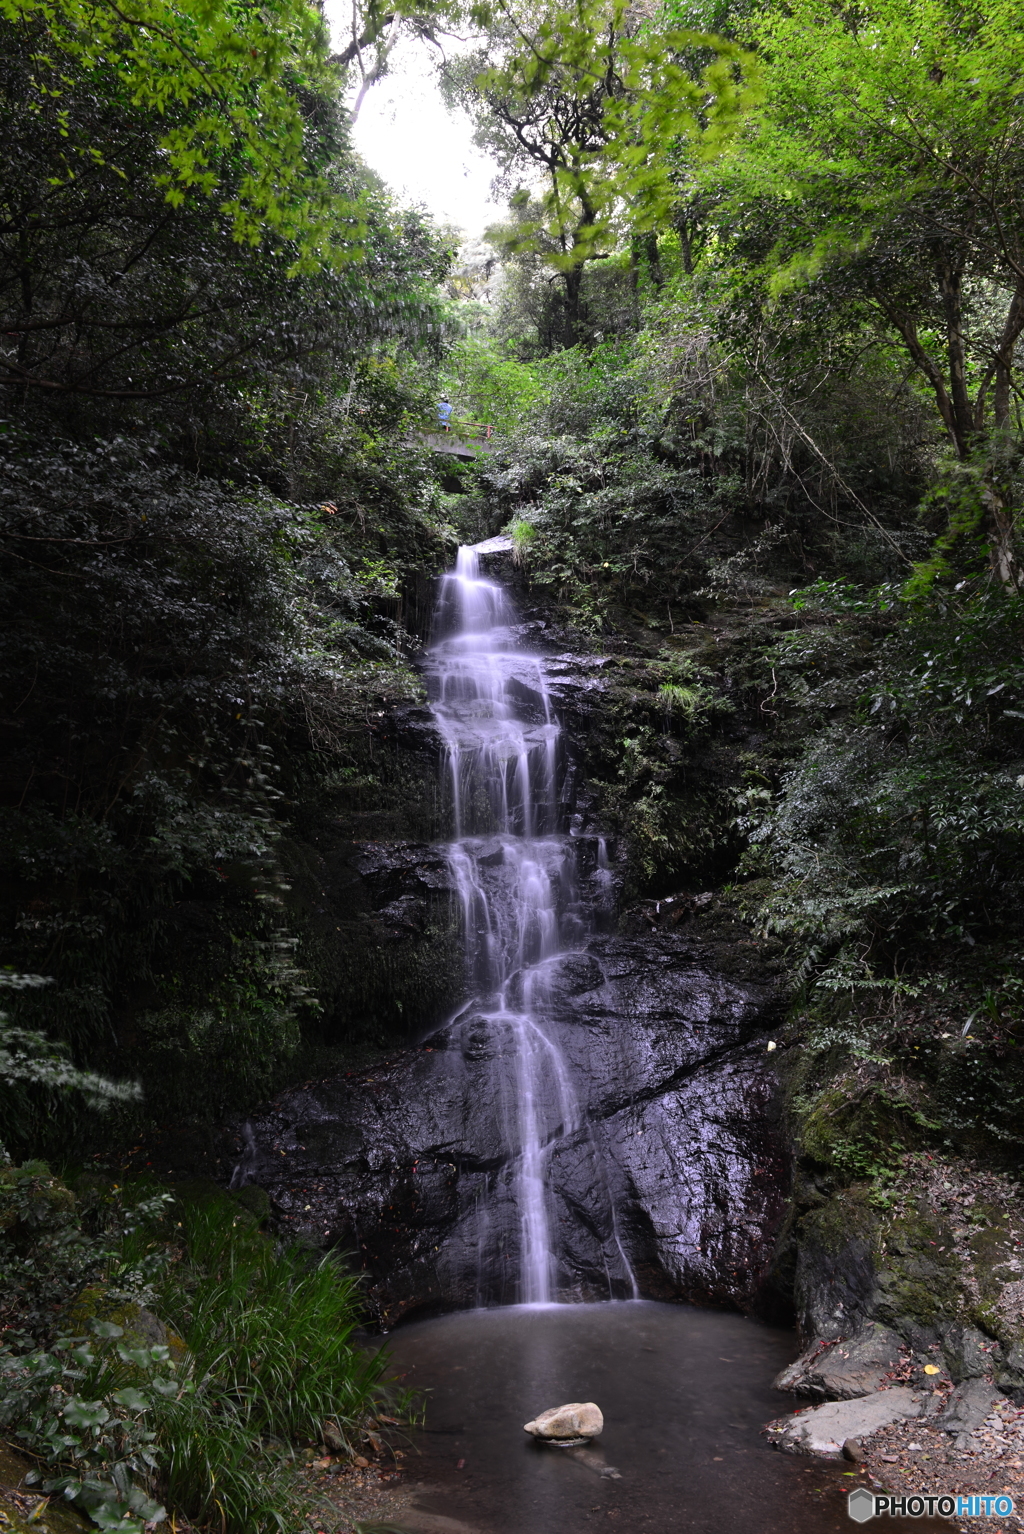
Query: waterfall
[515,871]
[600,1105]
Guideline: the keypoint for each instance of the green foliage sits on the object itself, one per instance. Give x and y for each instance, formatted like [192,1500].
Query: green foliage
[264,1357]
[910,817]
[121,311]
[610,111]
[489,385]
[212,524]
[29,1058]
[883,184]
[73,1400]
[273,1327]
[194,651]
[961,500]
[223,80]
[600,103]
[647,769]
[868,115]
[72,1407]
[523,534]
[606,513]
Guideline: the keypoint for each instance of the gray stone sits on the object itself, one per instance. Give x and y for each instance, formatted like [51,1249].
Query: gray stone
[1010,1374]
[501,544]
[969,1354]
[835,1291]
[579,1419]
[142,1323]
[824,1429]
[847,1369]
[920,1339]
[968,1406]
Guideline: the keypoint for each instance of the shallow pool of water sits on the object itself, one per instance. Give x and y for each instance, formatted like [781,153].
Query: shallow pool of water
[684,1394]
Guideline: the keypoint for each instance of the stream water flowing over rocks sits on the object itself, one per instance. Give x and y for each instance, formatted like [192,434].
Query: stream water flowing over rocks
[598,1120]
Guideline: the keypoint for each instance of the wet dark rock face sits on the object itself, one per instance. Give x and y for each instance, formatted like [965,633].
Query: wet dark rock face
[649,1086]
[672,1168]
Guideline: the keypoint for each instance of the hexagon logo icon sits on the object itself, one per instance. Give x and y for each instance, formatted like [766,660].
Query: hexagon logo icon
[860,1505]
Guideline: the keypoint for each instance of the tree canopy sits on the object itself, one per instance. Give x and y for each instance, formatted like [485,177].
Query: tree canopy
[597,107]
[132,271]
[223,82]
[886,170]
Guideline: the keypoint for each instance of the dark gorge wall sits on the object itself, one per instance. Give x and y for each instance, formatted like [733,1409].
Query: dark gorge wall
[669,1177]
[678,1172]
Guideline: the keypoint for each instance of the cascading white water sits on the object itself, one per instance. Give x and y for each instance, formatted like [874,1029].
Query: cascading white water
[514,873]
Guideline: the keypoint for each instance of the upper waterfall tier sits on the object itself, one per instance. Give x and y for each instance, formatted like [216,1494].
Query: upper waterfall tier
[493,710]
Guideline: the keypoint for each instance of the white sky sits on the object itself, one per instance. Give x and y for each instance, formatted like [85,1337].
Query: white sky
[424,154]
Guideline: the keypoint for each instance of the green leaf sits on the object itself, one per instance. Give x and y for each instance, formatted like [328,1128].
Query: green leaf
[85,1414]
[105,1328]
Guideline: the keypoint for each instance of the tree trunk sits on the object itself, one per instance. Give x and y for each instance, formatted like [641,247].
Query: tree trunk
[573,280]
[1002,553]
[961,418]
[998,493]
[644,255]
[1012,328]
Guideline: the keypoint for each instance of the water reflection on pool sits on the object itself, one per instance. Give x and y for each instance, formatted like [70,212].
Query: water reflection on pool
[684,1394]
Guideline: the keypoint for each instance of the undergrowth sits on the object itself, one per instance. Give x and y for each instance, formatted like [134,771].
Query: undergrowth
[164,1355]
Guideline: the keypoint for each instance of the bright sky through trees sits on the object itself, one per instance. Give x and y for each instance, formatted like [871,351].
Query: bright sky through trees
[423,152]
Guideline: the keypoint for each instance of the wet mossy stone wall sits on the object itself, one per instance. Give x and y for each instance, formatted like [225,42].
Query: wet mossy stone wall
[937,1256]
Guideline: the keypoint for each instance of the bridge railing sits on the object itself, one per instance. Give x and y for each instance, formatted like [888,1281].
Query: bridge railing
[462,429]
[465,439]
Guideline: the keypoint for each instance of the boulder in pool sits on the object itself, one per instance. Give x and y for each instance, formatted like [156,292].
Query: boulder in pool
[580,1419]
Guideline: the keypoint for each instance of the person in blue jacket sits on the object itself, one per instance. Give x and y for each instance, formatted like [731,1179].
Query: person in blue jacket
[444,413]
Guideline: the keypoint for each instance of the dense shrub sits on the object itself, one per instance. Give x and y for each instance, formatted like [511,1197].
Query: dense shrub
[129,1418]
[177,655]
[906,820]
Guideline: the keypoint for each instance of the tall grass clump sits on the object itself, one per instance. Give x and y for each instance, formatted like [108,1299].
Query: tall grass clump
[260,1357]
[270,1360]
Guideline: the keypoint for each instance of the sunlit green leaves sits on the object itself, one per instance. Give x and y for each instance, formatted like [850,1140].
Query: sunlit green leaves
[224,77]
[606,110]
[870,110]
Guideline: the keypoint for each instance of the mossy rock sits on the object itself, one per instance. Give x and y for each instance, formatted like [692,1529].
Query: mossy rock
[994,1253]
[140,1328]
[847,1216]
[855,1263]
[857,1133]
[920,1277]
[18,1505]
[254,1200]
[834,1281]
